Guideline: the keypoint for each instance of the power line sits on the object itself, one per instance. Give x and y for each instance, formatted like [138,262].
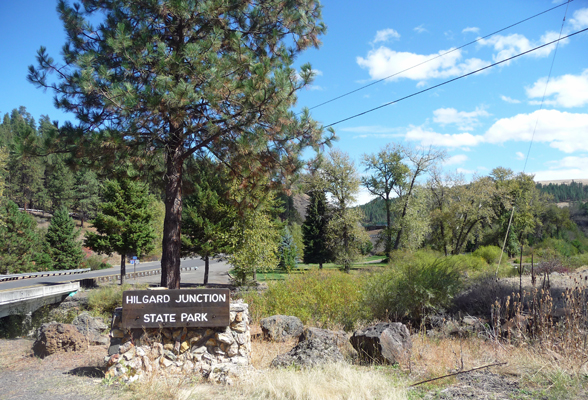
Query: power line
[454,79]
[434,58]
[545,91]
[533,135]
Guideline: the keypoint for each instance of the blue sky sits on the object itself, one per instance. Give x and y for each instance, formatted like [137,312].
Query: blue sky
[483,121]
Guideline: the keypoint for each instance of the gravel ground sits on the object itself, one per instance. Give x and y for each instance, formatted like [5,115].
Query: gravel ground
[59,376]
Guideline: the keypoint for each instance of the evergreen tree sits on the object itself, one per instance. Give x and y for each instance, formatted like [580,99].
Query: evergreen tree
[60,185]
[314,230]
[24,181]
[123,223]
[207,217]
[86,196]
[20,243]
[170,78]
[287,251]
[61,241]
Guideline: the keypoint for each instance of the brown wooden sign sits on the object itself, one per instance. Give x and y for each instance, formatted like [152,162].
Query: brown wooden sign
[175,308]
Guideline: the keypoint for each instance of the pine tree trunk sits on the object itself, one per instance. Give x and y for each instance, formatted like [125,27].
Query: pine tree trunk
[123,269]
[171,244]
[206,266]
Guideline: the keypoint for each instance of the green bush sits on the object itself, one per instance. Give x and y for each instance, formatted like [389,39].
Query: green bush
[469,262]
[490,253]
[328,299]
[95,262]
[562,247]
[576,261]
[104,300]
[413,288]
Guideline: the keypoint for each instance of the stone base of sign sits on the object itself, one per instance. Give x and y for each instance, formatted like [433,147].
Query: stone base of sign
[214,354]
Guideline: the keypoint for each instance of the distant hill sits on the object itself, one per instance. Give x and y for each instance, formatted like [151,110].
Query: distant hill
[301,202]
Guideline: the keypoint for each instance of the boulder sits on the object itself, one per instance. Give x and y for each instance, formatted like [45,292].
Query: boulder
[92,328]
[310,352]
[281,327]
[340,338]
[387,343]
[54,338]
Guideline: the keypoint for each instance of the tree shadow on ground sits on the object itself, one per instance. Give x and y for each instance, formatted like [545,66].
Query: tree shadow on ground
[90,372]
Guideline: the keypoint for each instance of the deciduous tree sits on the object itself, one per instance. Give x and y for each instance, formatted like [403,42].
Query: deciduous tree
[344,231]
[388,172]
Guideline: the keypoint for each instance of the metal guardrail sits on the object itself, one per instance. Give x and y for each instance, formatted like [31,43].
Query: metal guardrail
[14,277]
[116,277]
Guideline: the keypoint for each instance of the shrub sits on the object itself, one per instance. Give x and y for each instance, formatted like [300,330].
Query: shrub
[562,247]
[413,288]
[470,262]
[490,253]
[95,263]
[104,300]
[577,261]
[328,299]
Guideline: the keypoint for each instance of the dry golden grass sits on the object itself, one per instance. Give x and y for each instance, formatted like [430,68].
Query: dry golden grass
[533,366]
[333,381]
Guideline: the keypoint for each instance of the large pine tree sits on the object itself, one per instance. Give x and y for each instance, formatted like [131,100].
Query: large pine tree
[175,77]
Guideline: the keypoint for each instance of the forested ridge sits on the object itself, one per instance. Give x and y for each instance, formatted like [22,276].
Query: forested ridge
[573,191]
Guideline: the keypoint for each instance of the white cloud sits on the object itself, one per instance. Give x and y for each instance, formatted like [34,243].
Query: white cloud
[471,29]
[509,100]
[464,120]
[580,19]
[511,45]
[566,168]
[383,62]
[561,130]
[363,197]
[544,103]
[568,90]
[431,138]
[385,35]
[464,171]
[420,29]
[457,159]
[520,156]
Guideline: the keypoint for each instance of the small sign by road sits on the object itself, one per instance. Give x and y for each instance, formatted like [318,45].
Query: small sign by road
[175,308]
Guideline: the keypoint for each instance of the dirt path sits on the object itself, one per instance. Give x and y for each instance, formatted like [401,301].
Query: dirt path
[59,376]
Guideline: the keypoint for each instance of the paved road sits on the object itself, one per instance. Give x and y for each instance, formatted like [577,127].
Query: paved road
[218,274]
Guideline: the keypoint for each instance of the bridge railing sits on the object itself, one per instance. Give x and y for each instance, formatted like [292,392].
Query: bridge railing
[14,277]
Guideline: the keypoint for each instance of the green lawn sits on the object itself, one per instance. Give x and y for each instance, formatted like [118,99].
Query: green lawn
[367,262]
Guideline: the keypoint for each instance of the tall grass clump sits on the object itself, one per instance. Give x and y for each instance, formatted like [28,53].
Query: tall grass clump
[328,299]
[412,287]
